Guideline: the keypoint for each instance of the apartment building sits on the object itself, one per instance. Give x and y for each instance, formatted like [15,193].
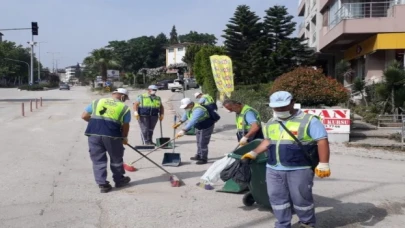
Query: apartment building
[175,53]
[370,34]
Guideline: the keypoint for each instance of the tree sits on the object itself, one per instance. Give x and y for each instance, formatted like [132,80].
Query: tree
[359,86]
[241,43]
[394,77]
[202,68]
[284,52]
[173,36]
[198,38]
[103,59]
[311,87]
[78,73]
[190,54]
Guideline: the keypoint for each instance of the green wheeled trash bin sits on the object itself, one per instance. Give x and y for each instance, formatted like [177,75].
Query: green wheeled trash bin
[257,186]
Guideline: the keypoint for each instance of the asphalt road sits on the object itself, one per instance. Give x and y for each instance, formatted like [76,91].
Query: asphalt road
[47,179]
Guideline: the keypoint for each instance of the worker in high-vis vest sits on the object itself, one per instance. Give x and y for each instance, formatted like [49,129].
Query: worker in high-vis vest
[289,176]
[206,99]
[248,121]
[107,130]
[198,117]
[148,109]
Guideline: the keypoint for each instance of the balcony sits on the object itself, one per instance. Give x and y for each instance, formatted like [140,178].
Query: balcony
[301,8]
[361,10]
[355,22]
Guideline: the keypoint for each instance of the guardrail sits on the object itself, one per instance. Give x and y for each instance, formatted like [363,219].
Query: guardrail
[361,10]
[390,121]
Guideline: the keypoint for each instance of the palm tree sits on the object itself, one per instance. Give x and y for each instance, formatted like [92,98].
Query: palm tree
[102,59]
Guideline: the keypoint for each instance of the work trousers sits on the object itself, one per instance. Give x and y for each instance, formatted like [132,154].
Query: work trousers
[203,139]
[148,124]
[287,189]
[98,148]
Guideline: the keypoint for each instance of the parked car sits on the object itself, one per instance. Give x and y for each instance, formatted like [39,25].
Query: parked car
[164,84]
[188,84]
[64,86]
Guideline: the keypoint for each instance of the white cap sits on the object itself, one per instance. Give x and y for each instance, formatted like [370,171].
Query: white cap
[153,87]
[122,91]
[197,94]
[184,102]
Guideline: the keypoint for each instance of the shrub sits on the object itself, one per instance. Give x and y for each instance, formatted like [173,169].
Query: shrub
[311,87]
[256,96]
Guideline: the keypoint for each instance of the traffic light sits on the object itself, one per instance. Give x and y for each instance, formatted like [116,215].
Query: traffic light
[34,28]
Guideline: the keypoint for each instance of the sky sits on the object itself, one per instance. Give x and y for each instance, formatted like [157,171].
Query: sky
[72,28]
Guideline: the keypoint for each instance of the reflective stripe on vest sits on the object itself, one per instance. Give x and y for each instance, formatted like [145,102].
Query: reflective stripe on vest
[241,124]
[149,105]
[203,122]
[208,99]
[283,148]
[107,118]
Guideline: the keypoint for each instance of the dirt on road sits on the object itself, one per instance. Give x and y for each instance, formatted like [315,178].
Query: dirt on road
[47,178]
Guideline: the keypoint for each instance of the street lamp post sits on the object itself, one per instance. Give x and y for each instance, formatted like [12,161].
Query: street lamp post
[14,60]
[32,43]
[39,58]
[53,60]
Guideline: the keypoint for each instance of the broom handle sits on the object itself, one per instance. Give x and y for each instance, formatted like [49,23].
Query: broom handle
[160,167]
[174,133]
[161,131]
[160,147]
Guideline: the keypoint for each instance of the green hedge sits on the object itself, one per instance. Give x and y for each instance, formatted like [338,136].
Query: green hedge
[256,96]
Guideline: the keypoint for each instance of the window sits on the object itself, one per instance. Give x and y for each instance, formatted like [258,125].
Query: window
[180,49]
[171,50]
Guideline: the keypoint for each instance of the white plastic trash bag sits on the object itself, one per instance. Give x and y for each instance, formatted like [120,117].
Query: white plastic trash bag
[212,175]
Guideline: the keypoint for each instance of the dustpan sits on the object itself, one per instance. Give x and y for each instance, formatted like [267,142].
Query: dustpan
[172,159]
[162,140]
[144,147]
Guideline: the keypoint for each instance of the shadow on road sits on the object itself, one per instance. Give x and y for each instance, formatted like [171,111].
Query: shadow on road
[340,214]
[165,177]
[225,127]
[346,213]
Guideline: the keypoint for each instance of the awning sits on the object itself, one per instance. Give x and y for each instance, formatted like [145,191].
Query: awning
[381,41]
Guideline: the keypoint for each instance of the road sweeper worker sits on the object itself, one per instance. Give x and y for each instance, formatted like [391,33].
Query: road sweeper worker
[107,130]
[197,116]
[248,121]
[289,175]
[148,109]
[206,99]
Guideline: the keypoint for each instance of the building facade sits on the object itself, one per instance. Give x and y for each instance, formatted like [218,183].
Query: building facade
[175,53]
[369,34]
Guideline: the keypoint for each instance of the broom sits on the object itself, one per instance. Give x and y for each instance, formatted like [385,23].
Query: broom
[174,180]
[130,168]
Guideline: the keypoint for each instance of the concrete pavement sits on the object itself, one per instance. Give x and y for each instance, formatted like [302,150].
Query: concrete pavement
[47,179]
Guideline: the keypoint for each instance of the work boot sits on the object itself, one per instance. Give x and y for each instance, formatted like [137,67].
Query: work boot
[201,162]
[121,183]
[195,158]
[104,188]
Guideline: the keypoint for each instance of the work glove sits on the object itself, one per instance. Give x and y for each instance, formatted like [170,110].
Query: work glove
[136,115]
[322,170]
[243,141]
[175,126]
[251,155]
[180,133]
[161,117]
[125,141]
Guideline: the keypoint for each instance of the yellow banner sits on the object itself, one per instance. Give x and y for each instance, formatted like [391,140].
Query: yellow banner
[221,66]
